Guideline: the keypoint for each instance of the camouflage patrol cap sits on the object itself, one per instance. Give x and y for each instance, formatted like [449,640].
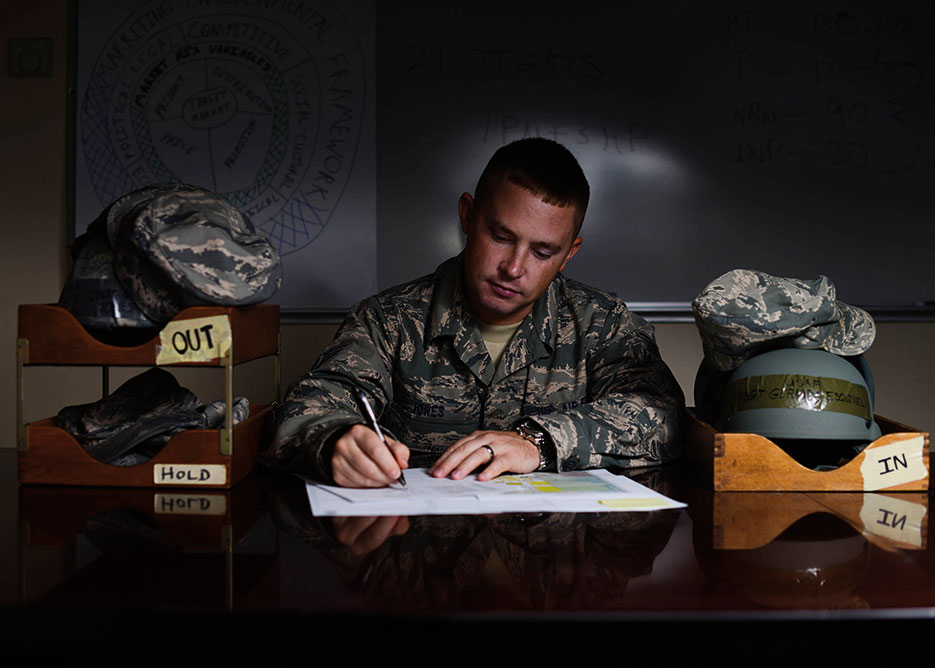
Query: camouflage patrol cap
[745,312]
[177,245]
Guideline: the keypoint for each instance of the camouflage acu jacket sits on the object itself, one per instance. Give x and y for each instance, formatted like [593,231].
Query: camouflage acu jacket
[581,365]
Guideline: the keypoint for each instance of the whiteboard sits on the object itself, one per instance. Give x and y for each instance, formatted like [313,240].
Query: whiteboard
[797,138]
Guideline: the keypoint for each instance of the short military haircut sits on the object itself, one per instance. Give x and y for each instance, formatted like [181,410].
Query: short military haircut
[543,167]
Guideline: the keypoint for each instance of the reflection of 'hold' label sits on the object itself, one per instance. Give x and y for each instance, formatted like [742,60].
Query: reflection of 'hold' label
[209,108]
[189,504]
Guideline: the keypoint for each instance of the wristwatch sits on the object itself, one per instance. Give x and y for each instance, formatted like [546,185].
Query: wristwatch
[539,438]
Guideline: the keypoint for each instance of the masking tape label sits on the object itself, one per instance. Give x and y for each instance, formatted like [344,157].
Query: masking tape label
[893,464]
[814,393]
[189,504]
[194,340]
[896,519]
[189,474]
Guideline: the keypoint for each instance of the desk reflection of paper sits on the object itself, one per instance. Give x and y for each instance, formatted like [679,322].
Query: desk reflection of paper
[593,491]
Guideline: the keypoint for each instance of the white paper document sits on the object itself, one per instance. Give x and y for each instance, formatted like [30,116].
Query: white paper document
[593,491]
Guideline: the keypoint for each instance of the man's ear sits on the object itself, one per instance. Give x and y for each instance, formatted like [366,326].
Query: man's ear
[465,209]
[575,245]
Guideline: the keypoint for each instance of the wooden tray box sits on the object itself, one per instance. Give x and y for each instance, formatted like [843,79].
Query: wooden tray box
[898,461]
[203,458]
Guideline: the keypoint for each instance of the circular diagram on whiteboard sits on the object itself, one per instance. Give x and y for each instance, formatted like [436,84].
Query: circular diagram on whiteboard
[262,106]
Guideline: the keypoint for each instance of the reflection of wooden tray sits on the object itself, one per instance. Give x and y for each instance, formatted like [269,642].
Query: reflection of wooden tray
[743,521]
[50,335]
[189,518]
[897,461]
[146,549]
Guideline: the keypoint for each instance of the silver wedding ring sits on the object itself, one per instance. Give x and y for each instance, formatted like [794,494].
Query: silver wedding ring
[489,450]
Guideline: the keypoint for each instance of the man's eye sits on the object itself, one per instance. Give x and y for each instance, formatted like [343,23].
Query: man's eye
[542,255]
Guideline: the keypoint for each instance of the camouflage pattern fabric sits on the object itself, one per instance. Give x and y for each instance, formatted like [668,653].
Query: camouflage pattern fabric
[132,424]
[584,367]
[177,245]
[745,312]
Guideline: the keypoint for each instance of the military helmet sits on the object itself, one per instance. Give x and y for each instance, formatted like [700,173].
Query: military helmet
[799,394]
[97,299]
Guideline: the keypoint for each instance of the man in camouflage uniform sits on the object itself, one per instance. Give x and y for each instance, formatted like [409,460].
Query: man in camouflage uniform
[579,384]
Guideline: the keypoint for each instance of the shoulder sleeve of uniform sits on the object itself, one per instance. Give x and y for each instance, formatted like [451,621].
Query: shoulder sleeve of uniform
[322,403]
[633,402]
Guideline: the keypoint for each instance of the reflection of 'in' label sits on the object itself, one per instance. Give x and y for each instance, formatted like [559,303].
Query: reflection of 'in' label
[896,519]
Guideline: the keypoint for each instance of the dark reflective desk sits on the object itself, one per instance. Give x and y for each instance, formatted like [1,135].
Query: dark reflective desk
[249,570]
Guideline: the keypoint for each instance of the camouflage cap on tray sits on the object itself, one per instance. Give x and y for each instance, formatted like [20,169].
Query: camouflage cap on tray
[177,245]
[745,312]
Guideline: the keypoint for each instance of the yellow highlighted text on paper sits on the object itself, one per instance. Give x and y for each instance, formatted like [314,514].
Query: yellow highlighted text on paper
[634,503]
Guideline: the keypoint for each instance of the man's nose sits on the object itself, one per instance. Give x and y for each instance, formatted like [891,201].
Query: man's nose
[512,264]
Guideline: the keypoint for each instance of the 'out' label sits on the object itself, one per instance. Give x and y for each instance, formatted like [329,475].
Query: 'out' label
[194,340]
[893,464]
[189,474]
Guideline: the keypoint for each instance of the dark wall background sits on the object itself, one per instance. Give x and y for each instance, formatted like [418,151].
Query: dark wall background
[796,138]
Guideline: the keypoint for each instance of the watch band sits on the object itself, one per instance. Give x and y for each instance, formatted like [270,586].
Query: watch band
[539,438]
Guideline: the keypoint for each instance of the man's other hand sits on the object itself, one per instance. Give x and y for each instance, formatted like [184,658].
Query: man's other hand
[493,451]
[361,459]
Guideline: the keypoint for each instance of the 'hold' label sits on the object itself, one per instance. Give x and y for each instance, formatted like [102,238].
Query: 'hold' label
[189,474]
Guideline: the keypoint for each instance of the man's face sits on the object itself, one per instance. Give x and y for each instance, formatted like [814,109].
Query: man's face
[516,244]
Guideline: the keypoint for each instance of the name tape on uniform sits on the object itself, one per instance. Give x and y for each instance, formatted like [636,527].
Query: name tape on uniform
[894,464]
[194,340]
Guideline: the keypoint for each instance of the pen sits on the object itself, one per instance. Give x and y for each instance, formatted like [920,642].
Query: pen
[373,419]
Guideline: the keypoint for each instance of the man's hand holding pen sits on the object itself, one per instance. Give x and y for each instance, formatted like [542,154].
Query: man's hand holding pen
[365,457]
[362,459]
